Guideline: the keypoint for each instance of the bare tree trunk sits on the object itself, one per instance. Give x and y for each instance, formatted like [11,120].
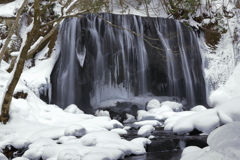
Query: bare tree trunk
[19,68]
[12,30]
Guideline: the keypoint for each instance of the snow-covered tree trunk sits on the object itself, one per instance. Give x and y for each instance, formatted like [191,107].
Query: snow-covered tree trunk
[20,64]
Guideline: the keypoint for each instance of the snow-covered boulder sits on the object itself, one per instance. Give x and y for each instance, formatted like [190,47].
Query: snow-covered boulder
[176,107]
[154,103]
[73,109]
[205,121]
[174,117]
[75,130]
[102,113]
[160,110]
[119,131]
[20,143]
[3,157]
[147,122]
[130,118]
[144,115]
[224,143]
[198,108]
[145,131]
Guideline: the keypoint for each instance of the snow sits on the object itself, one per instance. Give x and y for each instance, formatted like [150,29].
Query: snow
[154,103]
[102,113]
[145,131]
[228,90]
[3,157]
[130,118]
[75,130]
[223,144]
[119,131]
[225,113]
[198,108]
[147,122]
[9,9]
[73,109]
[55,134]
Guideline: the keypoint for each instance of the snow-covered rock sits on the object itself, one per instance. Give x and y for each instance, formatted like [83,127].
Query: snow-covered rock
[75,130]
[196,121]
[224,143]
[227,112]
[102,113]
[20,143]
[73,109]
[145,131]
[147,122]
[176,107]
[3,157]
[130,118]
[154,103]
[198,108]
[119,131]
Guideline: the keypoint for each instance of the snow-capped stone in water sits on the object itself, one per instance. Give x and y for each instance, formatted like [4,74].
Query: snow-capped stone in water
[154,103]
[223,144]
[141,143]
[73,109]
[171,120]
[160,110]
[69,154]
[75,130]
[119,131]
[130,118]
[143,115]
[92,138]
[145,131]
[3,157]
[198,108]
[127,127]
[102,113]
[176,107]
[20,143]
[147,122]
[151,137]
[205,121]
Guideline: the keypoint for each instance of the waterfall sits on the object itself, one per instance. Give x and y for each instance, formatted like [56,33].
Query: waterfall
[136,56]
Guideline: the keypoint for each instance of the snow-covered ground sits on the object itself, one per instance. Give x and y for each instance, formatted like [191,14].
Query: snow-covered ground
[55,134]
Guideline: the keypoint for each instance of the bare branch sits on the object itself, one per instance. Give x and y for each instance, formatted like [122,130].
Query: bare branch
[32,51]
[12,30]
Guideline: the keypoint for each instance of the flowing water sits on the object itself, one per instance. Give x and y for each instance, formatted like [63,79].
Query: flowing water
[99,62]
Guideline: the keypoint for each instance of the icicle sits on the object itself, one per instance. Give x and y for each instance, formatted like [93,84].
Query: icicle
[81,52]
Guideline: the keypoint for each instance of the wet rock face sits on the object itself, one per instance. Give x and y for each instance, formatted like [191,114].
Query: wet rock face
[99,62]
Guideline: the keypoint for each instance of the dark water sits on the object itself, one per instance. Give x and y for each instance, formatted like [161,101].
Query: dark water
[166,145]
[174,155]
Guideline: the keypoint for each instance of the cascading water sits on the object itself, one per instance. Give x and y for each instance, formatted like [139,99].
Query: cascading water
[162,28]
[100,62]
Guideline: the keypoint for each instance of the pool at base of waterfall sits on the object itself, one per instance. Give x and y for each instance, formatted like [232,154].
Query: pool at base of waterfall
[166,145]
